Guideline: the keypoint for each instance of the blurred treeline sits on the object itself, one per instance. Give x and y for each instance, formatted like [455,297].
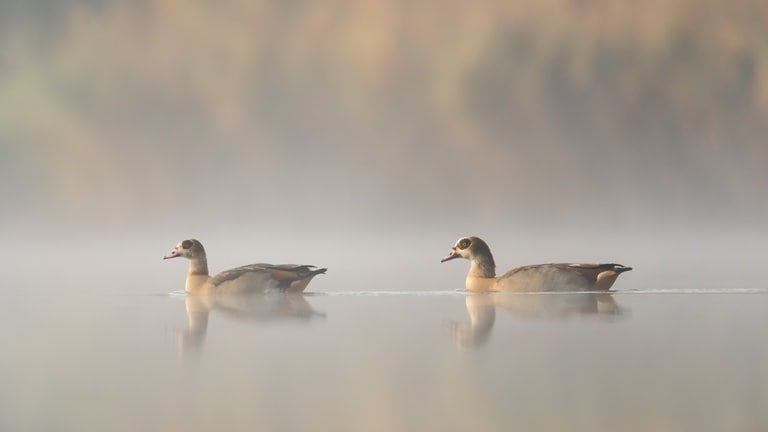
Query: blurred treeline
[651,109]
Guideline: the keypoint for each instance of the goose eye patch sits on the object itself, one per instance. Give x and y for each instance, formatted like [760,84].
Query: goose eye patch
[464,243]
[186,244]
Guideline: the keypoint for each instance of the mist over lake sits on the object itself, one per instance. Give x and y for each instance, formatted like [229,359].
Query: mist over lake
[367,138]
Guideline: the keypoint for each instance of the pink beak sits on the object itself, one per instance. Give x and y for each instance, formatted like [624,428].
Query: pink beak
[450,256]
[172,254]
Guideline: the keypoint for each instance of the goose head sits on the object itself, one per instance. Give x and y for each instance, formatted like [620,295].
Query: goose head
[190,249]
[468,248]
[477,252]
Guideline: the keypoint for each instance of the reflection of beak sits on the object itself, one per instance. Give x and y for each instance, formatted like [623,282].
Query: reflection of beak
[172,254]
[450,256]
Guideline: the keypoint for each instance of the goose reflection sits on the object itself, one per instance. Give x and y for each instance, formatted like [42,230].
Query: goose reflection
[481,308]
[254,308]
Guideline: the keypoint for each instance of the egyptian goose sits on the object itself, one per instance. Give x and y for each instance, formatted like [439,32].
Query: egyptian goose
[532,278]
[241,280]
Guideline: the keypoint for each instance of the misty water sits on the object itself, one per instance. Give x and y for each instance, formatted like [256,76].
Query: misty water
[366,139]
[99,335]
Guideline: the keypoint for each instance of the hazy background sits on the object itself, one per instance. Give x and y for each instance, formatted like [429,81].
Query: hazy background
[367,136]
[584,130]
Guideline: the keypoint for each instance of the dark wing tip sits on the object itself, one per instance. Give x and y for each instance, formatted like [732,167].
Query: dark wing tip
[618,268]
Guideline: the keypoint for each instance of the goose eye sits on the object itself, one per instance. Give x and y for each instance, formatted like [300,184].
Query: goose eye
[464,243]
[186,244]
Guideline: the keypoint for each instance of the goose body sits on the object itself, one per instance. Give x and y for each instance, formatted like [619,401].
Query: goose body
[563,277]
[246,279]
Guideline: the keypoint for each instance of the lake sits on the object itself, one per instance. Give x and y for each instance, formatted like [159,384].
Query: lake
[125,350]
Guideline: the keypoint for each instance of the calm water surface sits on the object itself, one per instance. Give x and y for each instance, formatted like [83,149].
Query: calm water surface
[118,353]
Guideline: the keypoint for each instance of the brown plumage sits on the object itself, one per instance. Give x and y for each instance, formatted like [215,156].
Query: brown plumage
[532,278]
[251,278]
